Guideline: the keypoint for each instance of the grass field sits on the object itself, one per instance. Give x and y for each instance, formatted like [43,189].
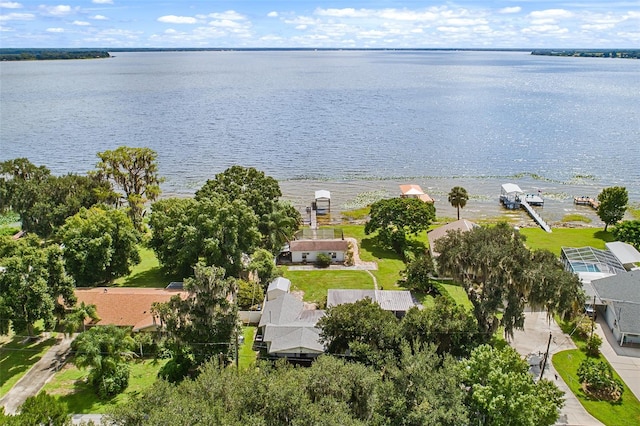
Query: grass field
[147,273]
[17,358]
[69,386]
[619,414]
[566,237]
[247,357]
[315,283]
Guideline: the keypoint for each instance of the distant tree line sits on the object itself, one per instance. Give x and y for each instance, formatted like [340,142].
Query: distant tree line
[49,54]
[590,53]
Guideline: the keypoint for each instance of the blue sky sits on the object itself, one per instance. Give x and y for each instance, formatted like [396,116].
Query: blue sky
[314,23]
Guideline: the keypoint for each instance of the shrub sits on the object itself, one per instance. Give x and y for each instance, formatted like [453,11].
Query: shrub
[418,274]
[323,260]
[598,381]
[111,382]
[593,345]
[250,293]
[349,255]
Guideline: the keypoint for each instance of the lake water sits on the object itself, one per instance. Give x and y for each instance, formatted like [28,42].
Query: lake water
[355,122]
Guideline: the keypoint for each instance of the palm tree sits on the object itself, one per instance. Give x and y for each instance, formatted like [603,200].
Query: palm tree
[458,198]
[75,319]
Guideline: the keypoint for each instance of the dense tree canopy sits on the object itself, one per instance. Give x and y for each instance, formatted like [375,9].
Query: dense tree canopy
[32,286]
[613,205]
[419,274]
[502,392]
[277,220]
[458,198]
[203,325]
[362,329]
[394,218]
[629,232]
[135,172]
[213,229]
[501,275]
[100,244]
[450,327]
[42,409]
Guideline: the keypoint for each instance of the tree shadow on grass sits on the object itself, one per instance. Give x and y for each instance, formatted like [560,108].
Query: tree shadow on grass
[17,357]
[151,278]
[373,246]
[607,237]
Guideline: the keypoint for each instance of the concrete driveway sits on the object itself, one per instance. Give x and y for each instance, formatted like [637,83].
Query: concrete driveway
[625,360]
[533,340]
[39,374]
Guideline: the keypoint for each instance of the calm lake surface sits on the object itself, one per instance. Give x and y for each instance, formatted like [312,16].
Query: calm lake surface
[355,122]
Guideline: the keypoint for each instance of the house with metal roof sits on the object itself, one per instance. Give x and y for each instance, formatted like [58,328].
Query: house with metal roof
[278,287]
[620,295]
[396,301]
[303,251]
[288,330]
[626,254]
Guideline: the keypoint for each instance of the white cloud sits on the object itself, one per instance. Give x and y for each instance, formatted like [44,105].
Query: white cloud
[10,5]
[102,1]
[272,14]
[81,23]
[100,18]
[551,14]
[508,10]
[17,17]
[55,30]
[60,10]
[173,19]
[231,15]
[225,23]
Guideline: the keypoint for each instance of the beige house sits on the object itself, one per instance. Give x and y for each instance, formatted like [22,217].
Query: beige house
[307,251]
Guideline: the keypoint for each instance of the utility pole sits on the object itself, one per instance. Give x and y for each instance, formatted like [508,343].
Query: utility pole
[546,355]
[237,355]
[593,316]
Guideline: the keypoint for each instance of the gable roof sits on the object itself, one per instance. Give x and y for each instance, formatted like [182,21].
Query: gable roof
[411,189]
[125,307]
[435,234]
[389,300]
[318,245]
[293,339]
[508,188]
[624,287]
[283,310]
[323,194]
[280,283]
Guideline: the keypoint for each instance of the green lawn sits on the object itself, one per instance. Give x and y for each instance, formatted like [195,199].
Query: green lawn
[147,273]
[618,414]
[247,355]
[17,358]
[566,237]
[69,386]
[315,283]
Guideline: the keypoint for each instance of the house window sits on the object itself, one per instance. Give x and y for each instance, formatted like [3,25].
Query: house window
[333,255]
[304,256]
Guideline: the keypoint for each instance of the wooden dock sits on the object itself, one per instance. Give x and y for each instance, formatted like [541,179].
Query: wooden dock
[534,215]
[586,201]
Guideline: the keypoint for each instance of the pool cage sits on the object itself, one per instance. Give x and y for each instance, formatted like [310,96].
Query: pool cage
[589,259]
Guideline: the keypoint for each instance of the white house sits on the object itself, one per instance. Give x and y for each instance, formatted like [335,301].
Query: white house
[277,288]
[307,251]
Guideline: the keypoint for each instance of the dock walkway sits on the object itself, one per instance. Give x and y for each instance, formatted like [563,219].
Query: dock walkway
[534,215]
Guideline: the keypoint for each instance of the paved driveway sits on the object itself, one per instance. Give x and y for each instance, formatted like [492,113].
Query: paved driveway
[625,360]
[39,374]
[533,340]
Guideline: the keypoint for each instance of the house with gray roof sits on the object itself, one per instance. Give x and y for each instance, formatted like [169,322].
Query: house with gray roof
[303,251]
[620,295]
[289,330]
[398,302]
[278,287]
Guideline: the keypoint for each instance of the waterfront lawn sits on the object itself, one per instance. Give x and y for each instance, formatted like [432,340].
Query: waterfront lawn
[390,265]
[16,358]
[566,237]
[70,387]
[622,413]
[315,283]
[147,273]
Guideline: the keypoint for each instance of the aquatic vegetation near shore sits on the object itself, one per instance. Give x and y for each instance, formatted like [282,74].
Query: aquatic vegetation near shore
[365,199]
[576,218]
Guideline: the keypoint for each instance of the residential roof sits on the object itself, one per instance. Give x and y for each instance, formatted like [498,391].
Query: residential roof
[628,316]
[508,188]
[323,195]
[623,287]
[283,310]
[293,339]
[279,283]
[389,300]
[124,306]
[626,253]
[318,245]
[411,189]
[435,234]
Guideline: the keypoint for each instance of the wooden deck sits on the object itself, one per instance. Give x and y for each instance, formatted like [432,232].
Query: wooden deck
[586,201]
[535,215]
